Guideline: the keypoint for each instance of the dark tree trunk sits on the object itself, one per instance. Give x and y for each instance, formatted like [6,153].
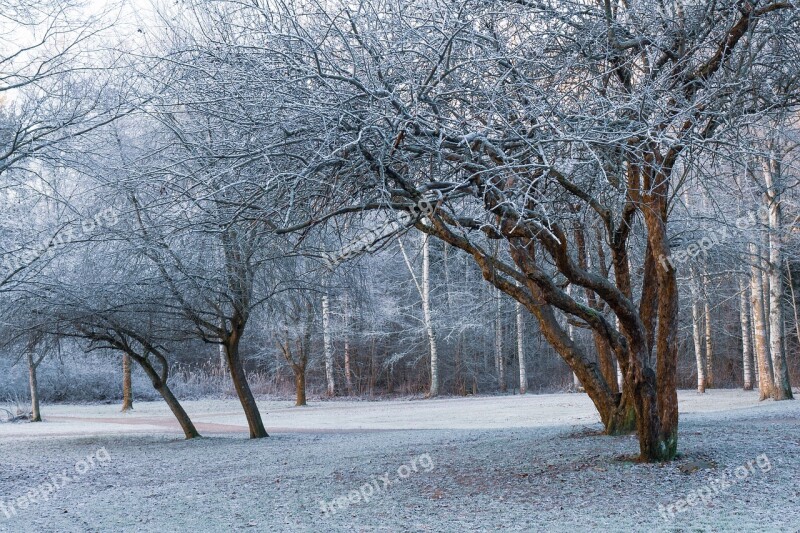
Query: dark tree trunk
[127,389]
[166,393]
[239,378]
[300,385]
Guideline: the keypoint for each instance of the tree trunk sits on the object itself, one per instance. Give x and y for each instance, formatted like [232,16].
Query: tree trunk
[127,388]
[658,428]
[300,385]
[326,340]
[174,405]
[794,300]
[348,379]
[697,325]
[708,336]
[428,316]
[783,388]
[36,415]
[499,362]
[523,375]
[765,379]
[187,426]
[239,378]
[747,343]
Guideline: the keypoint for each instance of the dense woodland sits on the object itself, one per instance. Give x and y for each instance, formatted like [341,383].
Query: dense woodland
[426,197]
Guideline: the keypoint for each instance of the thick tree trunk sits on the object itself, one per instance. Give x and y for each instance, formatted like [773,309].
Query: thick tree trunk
[783,388]
[327,347]
[523,374]
[433,391]
[239,378]
[765,378]
[33,383]
[697,325]
[747,342]
[658,429]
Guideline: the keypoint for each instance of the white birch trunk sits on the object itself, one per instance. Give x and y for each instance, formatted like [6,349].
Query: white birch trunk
[747,343]
[765,379]
[697,334]
[498,346]
[328,349]
[523,374]
[347,372]
[426,311]
[708,339]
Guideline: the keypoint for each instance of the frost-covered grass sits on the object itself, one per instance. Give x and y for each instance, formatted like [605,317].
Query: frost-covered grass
[533,463]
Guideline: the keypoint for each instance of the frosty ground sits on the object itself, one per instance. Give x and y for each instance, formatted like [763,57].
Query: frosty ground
[511,463]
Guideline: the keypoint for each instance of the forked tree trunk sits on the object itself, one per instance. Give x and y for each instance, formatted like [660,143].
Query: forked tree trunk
[697,335]
[523,375]
[242,387]
[747,343]
[327,347]
[765,378]
[656,393]
[33,383]
[127,387]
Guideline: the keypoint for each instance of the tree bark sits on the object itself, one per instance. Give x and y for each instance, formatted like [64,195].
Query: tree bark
[765,378]
[326,336]
[348,374]
[428,316]
[180,414]
[239,378]
[697,324]
[127,387]
[172,402]
[747,342]
[708,339]
[499,362]
[794,300]
[300,385]
[523,375]
[33,383]
[782,389]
